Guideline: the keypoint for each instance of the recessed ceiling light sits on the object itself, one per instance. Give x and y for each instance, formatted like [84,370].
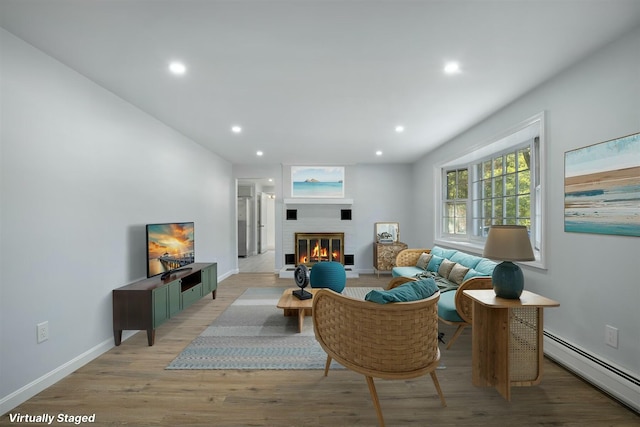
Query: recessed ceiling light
[259,153]
[177,68]
[236,129]
[452,68]
[399,129]
[378,153]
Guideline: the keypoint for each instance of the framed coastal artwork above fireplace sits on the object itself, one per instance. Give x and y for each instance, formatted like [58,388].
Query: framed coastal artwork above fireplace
[317,181]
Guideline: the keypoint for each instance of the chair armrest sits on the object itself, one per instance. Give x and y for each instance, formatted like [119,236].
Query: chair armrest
[409,257]
[464,304]
[397,281]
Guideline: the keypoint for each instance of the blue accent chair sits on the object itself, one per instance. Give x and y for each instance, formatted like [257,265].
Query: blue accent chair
[328,274]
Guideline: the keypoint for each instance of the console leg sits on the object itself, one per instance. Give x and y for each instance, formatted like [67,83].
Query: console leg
[213,294]
[151,336]
[117,336]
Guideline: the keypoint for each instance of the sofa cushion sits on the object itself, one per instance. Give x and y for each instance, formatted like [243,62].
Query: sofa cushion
[435,262]
[445,268]
[423,261]
[410,291]
[473,273]
[466,259]
[410,271]
[444,253]
[485,266]
[458,273]
[447,307]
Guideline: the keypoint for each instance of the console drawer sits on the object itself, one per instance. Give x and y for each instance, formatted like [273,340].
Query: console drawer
[191,295]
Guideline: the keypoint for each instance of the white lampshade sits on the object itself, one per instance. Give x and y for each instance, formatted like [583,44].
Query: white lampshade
[508,243]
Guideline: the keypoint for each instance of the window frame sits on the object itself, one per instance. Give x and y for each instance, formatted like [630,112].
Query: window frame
[508,141]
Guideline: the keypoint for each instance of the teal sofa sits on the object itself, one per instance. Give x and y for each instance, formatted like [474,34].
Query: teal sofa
[454,271]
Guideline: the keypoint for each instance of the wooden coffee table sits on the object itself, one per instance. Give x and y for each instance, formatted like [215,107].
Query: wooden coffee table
[294,307]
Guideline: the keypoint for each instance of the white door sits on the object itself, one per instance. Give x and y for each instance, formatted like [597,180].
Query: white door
[262,221]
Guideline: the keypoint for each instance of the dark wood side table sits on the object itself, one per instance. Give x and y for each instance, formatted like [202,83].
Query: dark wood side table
[507,339]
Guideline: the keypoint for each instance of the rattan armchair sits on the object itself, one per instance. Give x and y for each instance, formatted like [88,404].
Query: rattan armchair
[389,341]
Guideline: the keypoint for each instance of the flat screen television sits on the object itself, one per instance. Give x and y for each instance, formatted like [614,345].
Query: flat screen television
[170,248]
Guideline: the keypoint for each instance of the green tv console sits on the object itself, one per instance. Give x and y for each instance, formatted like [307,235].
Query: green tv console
[148,303]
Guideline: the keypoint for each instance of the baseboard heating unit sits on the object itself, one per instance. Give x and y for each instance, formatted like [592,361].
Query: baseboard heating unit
[612,380]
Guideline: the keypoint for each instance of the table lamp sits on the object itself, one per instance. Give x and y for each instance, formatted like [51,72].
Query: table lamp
[508,243]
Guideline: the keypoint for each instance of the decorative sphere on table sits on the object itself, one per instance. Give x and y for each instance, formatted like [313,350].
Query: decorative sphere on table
[328,274]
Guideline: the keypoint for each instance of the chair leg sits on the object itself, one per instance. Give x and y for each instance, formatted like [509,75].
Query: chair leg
[326,366]
[456,335]
[437,384]
[376,402]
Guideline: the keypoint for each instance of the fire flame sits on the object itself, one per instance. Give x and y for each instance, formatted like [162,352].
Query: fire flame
[318,253]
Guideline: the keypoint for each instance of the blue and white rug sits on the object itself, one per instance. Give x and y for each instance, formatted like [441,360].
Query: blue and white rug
[252,333]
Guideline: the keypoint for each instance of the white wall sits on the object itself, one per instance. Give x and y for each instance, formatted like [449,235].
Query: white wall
[82,171]
[384,193]
[380,192]
[596,278]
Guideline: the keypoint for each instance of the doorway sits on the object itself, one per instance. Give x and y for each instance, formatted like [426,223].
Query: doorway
[256,225]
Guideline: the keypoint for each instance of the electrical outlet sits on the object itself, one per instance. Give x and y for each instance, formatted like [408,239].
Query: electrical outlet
[43,331]
[611,336]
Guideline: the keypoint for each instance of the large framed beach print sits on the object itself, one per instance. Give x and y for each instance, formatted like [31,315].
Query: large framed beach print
[602,188]
[317,181]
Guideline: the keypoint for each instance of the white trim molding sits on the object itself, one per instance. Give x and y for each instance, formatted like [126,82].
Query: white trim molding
[612,380]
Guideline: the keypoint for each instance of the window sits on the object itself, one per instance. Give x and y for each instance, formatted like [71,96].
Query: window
[455,211]
[502,190]
[498,183]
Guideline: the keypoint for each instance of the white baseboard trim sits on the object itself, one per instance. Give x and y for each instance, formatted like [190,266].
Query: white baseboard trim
[622,385]
[227,274]
[26,392]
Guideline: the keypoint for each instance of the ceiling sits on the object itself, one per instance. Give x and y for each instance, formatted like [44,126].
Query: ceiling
[319,82]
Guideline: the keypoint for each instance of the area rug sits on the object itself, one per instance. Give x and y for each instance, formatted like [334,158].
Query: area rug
[252,333]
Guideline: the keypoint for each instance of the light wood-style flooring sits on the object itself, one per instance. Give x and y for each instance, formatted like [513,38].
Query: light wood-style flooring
[260,263]
[129,386]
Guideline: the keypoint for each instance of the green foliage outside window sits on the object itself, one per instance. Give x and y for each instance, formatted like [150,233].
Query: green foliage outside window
[501,193]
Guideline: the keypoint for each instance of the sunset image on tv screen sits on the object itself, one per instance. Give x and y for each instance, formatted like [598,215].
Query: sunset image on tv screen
[169,246]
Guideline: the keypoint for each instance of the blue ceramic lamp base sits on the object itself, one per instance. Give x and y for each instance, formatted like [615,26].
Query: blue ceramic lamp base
[507,280]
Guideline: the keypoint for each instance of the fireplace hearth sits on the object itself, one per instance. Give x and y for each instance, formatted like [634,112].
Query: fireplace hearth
[319,247]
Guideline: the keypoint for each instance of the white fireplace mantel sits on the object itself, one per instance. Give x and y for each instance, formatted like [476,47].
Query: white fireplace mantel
[317,201]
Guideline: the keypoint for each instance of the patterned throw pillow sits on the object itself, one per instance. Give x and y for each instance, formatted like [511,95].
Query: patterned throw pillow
[423,261]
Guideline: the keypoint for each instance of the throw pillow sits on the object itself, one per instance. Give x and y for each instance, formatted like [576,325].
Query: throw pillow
[434,264]
[445,268]
[423,261]
[458,273]
[410,291]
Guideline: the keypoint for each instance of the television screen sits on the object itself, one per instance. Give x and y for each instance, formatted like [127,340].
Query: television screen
[169,247]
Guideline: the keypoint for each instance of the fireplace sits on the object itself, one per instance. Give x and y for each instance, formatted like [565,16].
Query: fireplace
[318,247]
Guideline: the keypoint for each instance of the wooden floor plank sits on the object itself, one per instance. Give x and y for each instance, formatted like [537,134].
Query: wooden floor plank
[129,386]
